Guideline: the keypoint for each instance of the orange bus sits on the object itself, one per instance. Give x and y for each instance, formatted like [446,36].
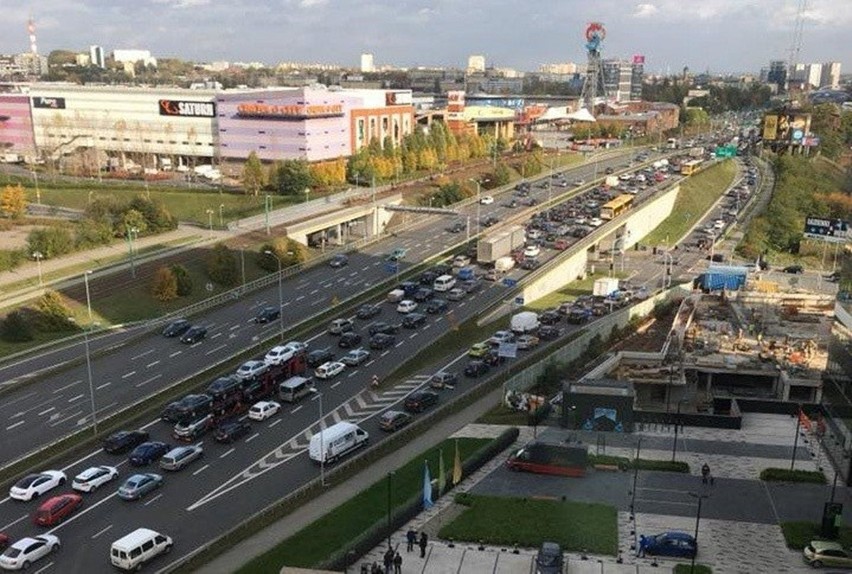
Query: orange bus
[617,206]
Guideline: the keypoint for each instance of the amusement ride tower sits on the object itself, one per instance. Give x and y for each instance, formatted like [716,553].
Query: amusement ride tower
[593,87]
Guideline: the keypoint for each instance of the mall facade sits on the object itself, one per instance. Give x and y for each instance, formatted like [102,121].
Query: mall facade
[148,125]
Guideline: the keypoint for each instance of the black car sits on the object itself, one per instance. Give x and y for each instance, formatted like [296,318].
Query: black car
[187,408]
[148,452]
[384,328]
[124,441]
[267,315]
[530,263]
[456,227]
[368,311]
[319,356]
[427,277]
[414,320]
[419,401]
[230,431]
[393,420]
[176,328]
[609,170]
[549,317]
[338,260]
[436,306]
[349,340]
[193,335]
[475,369]
[423,294]
[443,380]
[549,333]
[489,221]
[382,341]
[471,285]
[796,269]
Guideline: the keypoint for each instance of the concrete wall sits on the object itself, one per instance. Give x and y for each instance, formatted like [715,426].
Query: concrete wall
[371,219]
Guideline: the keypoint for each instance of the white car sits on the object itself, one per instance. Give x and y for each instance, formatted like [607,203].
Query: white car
[34,485]
[90,479]
[461,261]
[596,221]
[532,251]
[21,554]
[297,346]
[502,337]
[527,341]
[355,357]
[279,354]
[719,223]
[263,410]
[329,370]
[251,369]
[406,306]
[486,200]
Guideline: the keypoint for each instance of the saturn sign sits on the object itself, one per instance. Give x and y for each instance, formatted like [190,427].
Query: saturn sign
[187,109]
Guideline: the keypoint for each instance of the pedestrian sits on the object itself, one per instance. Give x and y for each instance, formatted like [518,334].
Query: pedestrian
[397,564]
[375,568]
[411,537]
[388,560]
[705,473]
[424,540]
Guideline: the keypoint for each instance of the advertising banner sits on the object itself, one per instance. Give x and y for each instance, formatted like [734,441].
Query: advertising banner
[294,111]
[187,109]
[638,59]
[398,98]
[770,127]
[831,230]
[49,103]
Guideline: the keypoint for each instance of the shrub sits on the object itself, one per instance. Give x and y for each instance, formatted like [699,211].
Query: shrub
[661,465]
[50,241]
[786,475]
[11,258]
[53,313]
[16,328]
[164,286]
[92,233]
[290,252]
[13,202]
[221,266]
[463,498]
[184,280]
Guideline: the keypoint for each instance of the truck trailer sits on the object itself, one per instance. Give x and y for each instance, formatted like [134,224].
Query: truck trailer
[730,277]
[491,248]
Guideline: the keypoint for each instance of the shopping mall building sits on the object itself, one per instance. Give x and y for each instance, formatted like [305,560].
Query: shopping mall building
[150,125]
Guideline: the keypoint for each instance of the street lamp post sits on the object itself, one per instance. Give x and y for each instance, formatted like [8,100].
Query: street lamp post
[221,216]
[131,236]
[390,497]
[478,203]
[88,354]
[38,190]
[280,293]
[322,437]
[307,193]
[38,255]
[210,220]
[700,498]
[796,439]
[267,203]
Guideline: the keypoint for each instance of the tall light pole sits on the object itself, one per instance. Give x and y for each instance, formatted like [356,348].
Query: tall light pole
[88,354]
[38,255]
[478,203]
[307,193]
[280,294]
[390,497]
[700,497]
[210,220]
[38,190]
[322,437]
[267,204]
[131,236]
[221,217]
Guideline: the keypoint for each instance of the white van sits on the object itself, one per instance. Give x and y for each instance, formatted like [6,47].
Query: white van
[132,551]
[444,283]
[337,440]
[293,389]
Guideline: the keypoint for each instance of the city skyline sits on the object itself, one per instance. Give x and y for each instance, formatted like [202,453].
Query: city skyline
[720,36]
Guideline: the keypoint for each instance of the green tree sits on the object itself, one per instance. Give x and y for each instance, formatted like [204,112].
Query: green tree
[164,286]
[501,176]
[294,177]
[53,313]
[16,327]
[132,219]
[13,202]
[253,174]
[50,241]
[221,266]
[289,251]
[183,279]
[92,233]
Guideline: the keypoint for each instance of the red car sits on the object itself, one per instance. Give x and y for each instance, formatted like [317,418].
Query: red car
[4,541]
[56,509]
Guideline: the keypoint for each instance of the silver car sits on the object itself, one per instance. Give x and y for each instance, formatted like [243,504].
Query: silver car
[139,485]
[181,456]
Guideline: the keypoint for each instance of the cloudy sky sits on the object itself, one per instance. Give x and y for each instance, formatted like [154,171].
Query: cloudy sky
[715,35]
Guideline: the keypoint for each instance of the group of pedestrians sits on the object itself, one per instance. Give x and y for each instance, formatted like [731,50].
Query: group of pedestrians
[392,559]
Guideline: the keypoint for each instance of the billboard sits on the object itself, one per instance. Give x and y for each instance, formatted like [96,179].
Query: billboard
[398,98]
[187,109]
[770,127]
[287,112]
[832,230]
[787,127]
[49,103]
[638,59]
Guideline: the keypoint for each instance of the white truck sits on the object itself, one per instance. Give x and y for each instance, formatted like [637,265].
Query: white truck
[500,244]
[504,264]
[611,181]
[605,286]
[337,440]
[524,322]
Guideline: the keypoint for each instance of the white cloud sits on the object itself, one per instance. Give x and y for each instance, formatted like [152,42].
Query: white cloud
[311,3]
[183,3]
[645,11]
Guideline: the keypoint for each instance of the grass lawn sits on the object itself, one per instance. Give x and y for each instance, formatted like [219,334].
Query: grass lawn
[571,291]
[687,569]
[696,195]
[576,526]
[503,415]
[799,534]
[335,530]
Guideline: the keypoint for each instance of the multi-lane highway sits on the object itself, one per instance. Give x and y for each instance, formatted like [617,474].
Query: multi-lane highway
[232,481]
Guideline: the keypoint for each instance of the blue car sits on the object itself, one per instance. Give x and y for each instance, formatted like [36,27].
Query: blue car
[148,452]
[677,544]
[139,485]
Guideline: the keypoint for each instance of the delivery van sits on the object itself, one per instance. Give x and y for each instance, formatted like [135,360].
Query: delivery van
[444,283]
[132,551]
[293,389]
[396,296]
[336,441]
[504,264]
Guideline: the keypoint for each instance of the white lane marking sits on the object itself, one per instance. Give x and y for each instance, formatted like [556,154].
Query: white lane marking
[202,469]
[11,524]
[337,383]
[352,374]
[237,326]
[411,336]
[297,409]
[252,437]
[146,381]
[385,353]
[130,374]
[99,532]
[226,453]
[140,355]
[149,365]
[76,398]
[153,499]
[215,349]
[45,567]
[175,354]
[17,424]
[275,422]
[370,362]
[68,386]
[398,344]
[314,292]
[216,335]
[103,386]
[300,297]
[44,412]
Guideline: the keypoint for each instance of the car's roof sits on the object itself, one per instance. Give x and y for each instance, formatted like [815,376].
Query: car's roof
[826,545]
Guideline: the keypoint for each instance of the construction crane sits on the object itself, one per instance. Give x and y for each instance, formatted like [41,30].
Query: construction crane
[796,44]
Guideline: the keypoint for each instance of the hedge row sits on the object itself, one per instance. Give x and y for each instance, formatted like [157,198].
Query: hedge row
[624,463]
[785,475]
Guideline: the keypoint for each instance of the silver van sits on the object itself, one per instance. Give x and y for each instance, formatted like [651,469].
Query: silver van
[293,389]
[181,456]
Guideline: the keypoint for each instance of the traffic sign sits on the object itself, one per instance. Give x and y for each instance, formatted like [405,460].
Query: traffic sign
[834,230]
[509,282]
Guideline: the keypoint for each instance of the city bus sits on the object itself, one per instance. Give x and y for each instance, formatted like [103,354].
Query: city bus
[690,167]
[615,207]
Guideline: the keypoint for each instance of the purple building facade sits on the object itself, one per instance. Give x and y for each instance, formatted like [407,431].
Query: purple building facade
[304,123]
[16,126]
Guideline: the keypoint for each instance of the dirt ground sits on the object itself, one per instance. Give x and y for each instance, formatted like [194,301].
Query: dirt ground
[15,237]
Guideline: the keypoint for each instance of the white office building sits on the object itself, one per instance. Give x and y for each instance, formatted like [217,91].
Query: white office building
[367,64]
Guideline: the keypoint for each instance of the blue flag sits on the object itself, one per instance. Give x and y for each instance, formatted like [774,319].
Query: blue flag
[427,487]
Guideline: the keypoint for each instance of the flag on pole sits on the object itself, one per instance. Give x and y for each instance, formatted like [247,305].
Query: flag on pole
[427,487]
[457,468]
[442,477]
